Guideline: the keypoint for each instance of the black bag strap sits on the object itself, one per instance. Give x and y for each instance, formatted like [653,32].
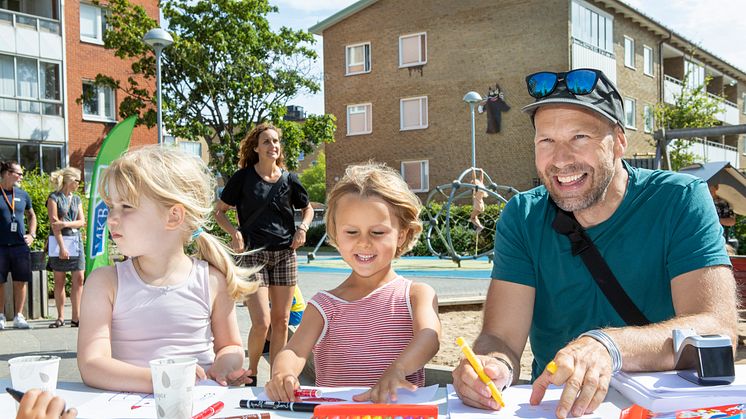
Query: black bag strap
[566,224]
[270,196]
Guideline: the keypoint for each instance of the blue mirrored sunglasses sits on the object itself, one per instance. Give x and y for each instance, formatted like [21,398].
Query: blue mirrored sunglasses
[580,82]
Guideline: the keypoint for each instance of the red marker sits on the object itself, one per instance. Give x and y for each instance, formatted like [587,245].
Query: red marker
[307,392]
[215,408]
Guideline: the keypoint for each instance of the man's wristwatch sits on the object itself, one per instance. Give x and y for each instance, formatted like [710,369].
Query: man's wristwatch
[510,370]
[33,235]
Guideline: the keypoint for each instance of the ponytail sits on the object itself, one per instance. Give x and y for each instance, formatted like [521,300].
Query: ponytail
[240,281]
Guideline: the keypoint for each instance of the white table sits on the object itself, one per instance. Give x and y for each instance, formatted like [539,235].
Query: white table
[76,394]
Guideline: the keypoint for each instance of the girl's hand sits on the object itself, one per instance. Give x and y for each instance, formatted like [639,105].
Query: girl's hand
[237,377]
[385,389]
[200,373]
[282,388]
[43,405]
[299,239]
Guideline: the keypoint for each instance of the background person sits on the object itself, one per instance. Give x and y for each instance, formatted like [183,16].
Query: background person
[266,226]
[657,231]
[376,329]
[66,218]
[161,302]
[15,255]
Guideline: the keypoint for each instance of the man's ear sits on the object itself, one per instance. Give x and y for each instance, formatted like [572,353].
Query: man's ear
[620,142]
[176,215]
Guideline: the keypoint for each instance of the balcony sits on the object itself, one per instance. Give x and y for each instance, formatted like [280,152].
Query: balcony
[709,151]
[588,56]
[728,111]
[30,35]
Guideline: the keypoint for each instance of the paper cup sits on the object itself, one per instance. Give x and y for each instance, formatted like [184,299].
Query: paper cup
[173,386]
[35,371]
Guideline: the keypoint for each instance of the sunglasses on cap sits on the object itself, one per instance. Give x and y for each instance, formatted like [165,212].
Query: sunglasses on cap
[581,81]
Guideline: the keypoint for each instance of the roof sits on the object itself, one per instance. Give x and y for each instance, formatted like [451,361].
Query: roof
[341,15]
[730,182]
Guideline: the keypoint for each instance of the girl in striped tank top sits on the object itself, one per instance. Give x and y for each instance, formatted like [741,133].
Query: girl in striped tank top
[376,329]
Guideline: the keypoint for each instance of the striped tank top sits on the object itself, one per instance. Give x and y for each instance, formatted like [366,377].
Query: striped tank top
[360,339]
[150,322]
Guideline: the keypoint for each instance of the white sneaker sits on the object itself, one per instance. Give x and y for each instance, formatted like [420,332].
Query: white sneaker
[19,322]
[2,321]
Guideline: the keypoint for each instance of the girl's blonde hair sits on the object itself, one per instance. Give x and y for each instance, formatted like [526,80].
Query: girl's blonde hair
[377,179]
[65,175]
[171,177]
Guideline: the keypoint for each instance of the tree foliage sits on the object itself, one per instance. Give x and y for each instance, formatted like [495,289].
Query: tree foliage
[692,108]
[314,180]
[226,71]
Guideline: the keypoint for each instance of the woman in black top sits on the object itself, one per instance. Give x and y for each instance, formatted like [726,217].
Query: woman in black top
[265,196]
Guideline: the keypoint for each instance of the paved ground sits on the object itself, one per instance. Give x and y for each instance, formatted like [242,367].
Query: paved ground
[449,281]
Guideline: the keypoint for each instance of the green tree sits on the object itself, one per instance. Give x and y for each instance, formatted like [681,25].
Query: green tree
[226,71]
[692,108]
[314,180]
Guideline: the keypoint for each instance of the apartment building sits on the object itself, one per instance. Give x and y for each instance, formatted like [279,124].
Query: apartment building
[50,52]
[395,74]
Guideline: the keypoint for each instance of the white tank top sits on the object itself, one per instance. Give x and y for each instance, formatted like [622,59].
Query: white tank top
[151,322]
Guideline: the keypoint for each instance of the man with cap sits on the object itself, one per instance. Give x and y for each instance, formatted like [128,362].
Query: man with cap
[657,233]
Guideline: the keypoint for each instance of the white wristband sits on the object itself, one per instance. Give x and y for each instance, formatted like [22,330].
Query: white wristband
[610,345]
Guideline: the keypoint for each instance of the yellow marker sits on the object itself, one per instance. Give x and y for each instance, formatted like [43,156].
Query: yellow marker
[552,367]
[480,371]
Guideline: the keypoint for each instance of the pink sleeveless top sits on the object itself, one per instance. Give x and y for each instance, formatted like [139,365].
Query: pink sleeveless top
[154,322]
[360,339]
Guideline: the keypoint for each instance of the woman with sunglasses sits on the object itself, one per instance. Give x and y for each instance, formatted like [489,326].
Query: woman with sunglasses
[66,218]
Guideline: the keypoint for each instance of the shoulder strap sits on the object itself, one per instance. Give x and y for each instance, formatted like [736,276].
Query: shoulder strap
[566,224]
[270,196]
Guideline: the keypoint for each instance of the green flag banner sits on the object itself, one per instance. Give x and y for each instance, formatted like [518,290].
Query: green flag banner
[97,243]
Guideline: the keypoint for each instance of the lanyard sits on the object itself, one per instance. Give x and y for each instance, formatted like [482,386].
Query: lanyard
[12,206]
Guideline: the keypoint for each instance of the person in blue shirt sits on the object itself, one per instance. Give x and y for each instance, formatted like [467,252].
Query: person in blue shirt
[657,231]
[15,239]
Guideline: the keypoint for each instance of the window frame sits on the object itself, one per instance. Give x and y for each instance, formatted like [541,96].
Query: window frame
[647,112]
[100,23]
[632,126]
[650,61]
[368,108]
[101,115]
[367,59]
[422,55]
[426,118]
[628,50]
[581,26]
[424,174]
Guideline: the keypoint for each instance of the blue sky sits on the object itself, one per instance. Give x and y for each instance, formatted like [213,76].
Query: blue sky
[716,25]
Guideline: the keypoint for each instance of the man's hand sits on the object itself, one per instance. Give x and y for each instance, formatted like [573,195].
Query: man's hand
[472,390]
[584,368]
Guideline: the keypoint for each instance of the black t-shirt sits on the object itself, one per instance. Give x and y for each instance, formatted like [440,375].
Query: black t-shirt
[22,204]
[275,227]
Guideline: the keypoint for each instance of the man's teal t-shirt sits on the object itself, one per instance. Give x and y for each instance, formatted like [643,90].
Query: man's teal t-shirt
[665,226]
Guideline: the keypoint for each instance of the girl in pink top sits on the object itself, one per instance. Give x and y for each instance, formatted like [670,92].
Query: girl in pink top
[161,302]
[376,328]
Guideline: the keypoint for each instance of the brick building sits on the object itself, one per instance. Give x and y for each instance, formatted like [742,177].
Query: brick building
[50,51]
[395,74]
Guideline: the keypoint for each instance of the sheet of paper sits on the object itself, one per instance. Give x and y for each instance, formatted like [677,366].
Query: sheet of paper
[125,405]
[423,395]
[71,244]
[516,405]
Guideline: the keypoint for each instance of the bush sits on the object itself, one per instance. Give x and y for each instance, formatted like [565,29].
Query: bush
[314,234]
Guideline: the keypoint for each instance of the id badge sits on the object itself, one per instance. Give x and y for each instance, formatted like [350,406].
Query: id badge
[13,227]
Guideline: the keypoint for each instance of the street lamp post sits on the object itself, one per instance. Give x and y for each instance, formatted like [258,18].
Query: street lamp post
[158,39]
[472,98]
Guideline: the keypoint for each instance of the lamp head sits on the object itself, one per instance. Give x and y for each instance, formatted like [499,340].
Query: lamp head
[472,97]
[158,38]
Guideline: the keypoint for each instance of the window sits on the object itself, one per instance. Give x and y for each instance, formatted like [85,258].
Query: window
[36,83]
[359,119]
[629,113]
[647,114]
[412,49]
[92,23]
[694,74]
[98,102]
[629,52]
[647,60]
[592,26]
[357,59]
[413,113]
[416,174]
[191,147]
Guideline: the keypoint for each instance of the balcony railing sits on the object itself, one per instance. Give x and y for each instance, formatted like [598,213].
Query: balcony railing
[30,35]
[709,151]
[588,56]
[728,111]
